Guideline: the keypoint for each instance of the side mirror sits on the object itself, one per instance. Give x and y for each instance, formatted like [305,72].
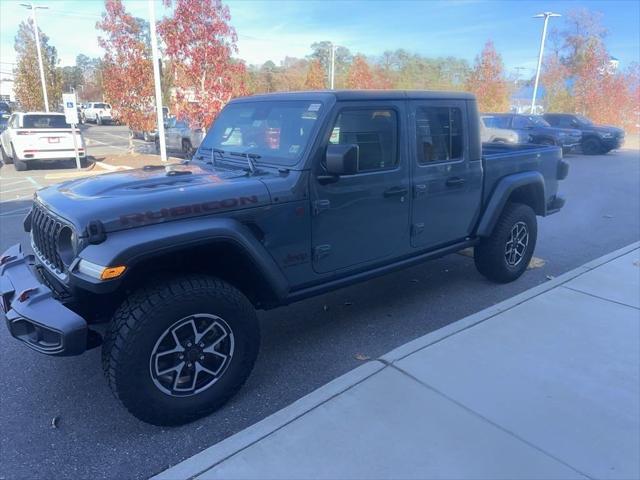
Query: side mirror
[342,159]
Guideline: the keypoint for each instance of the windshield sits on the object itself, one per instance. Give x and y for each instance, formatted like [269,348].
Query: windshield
[495,121]
[584,120]
[44,121]
[277,131]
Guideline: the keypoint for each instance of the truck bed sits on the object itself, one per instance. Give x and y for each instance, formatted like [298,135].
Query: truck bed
[500,160]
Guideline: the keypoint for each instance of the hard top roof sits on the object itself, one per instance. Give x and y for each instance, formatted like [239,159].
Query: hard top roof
[346,95]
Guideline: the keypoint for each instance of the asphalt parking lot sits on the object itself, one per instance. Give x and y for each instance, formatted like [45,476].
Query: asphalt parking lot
[304,345]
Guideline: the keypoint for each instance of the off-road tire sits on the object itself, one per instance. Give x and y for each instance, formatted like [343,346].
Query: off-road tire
[144,317]
[489,254]
[4,157]
[592,146]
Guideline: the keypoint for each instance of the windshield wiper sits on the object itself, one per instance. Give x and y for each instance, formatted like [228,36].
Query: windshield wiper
[213,151]
[251,159]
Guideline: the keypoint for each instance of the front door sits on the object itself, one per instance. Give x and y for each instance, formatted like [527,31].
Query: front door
[364,218]
[447,184]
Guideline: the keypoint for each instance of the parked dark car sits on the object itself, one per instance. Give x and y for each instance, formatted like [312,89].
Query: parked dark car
[596,139]
[289,196]
[538,129]
[5,110]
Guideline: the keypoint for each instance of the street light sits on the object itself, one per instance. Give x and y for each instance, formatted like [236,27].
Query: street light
[155,55]
[33,8]
[546,16]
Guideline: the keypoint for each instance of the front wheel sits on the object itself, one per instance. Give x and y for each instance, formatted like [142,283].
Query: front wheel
[506,253]
[592,146]
[179,349]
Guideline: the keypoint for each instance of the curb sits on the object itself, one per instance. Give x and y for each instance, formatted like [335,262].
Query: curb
[489,312]
[218,453]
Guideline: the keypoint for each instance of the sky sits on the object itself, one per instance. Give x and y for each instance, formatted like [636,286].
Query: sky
[273,29]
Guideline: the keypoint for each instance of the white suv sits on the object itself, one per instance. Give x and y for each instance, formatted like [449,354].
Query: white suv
[38,136]
[98,112]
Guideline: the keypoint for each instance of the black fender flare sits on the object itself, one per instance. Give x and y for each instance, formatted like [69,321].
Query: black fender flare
[501,193]
[132,246]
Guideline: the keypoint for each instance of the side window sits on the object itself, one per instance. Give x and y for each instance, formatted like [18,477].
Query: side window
[520,122]
[374,131]
[181,124]
[439,134]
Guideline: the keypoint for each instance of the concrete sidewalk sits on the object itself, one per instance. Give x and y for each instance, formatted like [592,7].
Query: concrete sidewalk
[543,385]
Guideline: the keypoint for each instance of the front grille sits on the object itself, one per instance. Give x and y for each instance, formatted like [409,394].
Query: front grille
[44,233]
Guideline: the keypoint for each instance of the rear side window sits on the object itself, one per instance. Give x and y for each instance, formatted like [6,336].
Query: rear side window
[374,131]
[521,122]
[44,121]
[102,105]
[439,134]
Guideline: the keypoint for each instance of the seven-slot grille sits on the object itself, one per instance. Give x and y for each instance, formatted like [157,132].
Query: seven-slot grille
[44,232]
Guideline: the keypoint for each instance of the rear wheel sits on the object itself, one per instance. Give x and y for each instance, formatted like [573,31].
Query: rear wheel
[6,159]
[20,165]
[187,149]
[177,350]
[592,146]
[505,255]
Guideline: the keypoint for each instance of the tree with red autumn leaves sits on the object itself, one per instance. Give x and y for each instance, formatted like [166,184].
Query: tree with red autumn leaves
[359,75]
[487,81]
[600,93]
[199,44]
[315,76]
[127,69]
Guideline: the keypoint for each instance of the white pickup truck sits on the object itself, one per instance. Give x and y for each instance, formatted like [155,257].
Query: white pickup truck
[98,112]
[38,136]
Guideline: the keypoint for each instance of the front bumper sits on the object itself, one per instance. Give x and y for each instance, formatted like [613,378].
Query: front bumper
[33,315]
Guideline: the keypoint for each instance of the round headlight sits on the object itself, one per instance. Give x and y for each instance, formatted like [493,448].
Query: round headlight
[67,245]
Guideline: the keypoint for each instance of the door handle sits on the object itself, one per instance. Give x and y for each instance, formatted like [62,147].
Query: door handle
[395,192]
[455,182]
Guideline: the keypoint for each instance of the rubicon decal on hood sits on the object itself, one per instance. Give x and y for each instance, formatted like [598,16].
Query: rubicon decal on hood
[152,216]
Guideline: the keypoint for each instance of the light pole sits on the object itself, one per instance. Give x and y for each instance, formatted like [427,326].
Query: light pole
[333,65]
[33,8]
[546,16]
[156,80]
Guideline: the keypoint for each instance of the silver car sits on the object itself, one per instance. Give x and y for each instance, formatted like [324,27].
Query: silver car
[489,133]
[180,137]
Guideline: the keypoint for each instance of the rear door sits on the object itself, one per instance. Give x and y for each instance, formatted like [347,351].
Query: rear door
[364,218]
[447,183]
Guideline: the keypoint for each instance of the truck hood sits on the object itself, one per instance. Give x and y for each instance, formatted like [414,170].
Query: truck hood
[134,198]
[602,129]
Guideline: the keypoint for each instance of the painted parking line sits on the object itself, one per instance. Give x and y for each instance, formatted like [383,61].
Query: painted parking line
[34,183]
[15,182]
[15,213]
[26,187]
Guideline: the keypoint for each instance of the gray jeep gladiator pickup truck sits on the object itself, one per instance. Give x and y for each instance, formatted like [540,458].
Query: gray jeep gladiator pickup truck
[288,196]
